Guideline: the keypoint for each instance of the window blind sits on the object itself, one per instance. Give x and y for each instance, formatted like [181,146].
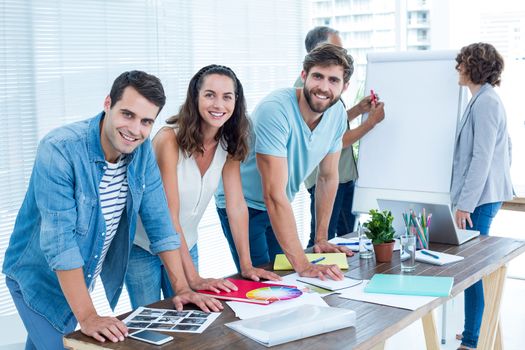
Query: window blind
[58,60]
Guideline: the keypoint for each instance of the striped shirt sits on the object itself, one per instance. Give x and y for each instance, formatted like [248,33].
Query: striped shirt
[113,190]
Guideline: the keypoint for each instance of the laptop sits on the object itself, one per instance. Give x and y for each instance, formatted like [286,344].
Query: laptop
[442,227]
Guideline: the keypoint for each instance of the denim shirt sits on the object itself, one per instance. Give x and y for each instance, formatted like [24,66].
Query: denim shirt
[60,225]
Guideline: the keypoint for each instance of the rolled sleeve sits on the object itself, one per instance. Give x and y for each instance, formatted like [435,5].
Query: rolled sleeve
[154,211]
[54,193]
[169,243]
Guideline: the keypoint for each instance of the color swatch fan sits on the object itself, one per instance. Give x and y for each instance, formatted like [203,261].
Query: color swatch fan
[274,293]
[256,292]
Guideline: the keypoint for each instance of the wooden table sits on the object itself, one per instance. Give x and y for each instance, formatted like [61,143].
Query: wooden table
[485,258]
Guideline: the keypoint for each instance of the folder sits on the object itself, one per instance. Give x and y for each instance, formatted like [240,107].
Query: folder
[292,324]
[339,259]
[432,286]
[255,292]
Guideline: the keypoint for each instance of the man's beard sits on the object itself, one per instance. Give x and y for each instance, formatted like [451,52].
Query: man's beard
[313,107]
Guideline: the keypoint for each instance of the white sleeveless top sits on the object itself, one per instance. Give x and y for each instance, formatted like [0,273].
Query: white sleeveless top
[195,193]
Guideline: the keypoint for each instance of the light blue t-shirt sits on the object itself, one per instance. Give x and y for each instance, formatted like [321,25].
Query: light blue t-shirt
[281,131]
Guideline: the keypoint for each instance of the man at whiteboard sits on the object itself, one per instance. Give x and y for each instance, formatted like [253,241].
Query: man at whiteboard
[294,130]
[342,220]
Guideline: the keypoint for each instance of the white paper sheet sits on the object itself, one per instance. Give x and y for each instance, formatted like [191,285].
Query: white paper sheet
[330,284]
[443,258]
[410,302]
[355,248]
[246,310]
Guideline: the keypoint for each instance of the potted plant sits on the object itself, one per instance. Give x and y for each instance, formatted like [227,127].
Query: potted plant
[381,232]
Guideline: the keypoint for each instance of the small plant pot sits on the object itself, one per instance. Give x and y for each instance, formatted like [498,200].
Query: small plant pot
[384,251]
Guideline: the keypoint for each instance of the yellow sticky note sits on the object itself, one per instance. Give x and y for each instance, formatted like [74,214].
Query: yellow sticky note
[339,259]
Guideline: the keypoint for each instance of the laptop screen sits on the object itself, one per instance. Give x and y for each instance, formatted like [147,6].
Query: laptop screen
[442,228]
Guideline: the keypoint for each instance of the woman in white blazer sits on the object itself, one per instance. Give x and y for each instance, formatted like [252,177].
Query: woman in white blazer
[481,171]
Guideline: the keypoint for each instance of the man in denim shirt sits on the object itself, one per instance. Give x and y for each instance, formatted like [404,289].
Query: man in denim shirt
[61,237]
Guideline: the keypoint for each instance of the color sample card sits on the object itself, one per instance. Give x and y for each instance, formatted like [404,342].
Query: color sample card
[274,293]
[187,321]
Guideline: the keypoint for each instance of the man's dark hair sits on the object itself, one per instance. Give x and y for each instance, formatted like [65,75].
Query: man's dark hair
[327,55]
[482,63]
[146,84]
[318,35]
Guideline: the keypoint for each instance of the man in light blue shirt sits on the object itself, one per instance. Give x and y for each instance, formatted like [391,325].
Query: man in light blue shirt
[65,235]
[294,130]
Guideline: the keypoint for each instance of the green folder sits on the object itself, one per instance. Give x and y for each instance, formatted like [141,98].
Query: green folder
[432,286]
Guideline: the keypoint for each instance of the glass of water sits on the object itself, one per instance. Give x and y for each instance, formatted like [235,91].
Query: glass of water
[408,253]
[366,250]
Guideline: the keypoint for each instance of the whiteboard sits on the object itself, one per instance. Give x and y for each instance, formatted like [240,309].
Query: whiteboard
[408,156]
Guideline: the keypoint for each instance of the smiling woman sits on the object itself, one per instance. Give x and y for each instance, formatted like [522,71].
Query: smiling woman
[206,140]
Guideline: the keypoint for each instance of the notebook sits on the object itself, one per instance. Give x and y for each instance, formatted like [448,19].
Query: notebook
[442,228]
[432,286]
[438,258]
[339,259]
[292,324]
[256,292]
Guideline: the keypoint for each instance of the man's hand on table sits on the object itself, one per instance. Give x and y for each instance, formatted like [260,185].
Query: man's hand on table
[102,328]
[321,272]
[327,247]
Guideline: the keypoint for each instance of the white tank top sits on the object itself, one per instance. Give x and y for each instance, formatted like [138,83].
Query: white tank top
[195,192]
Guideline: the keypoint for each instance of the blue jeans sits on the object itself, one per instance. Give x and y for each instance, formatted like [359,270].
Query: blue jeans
[263,243]
[41,334]
[474,298]
[342,220]
[146,276]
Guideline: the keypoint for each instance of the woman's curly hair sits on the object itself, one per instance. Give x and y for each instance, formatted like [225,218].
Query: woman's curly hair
[482,63]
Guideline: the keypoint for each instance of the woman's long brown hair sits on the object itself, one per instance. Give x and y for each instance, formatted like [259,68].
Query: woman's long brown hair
[233,135]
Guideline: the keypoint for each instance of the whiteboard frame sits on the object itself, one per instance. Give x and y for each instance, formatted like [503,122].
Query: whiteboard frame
[365,198]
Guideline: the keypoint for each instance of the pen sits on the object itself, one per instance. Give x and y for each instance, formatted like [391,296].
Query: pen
[318,260]
[351,243]
[429,254]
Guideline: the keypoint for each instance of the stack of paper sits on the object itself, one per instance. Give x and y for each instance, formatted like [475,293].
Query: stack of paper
[246,310]
[297,323]
[436,258]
